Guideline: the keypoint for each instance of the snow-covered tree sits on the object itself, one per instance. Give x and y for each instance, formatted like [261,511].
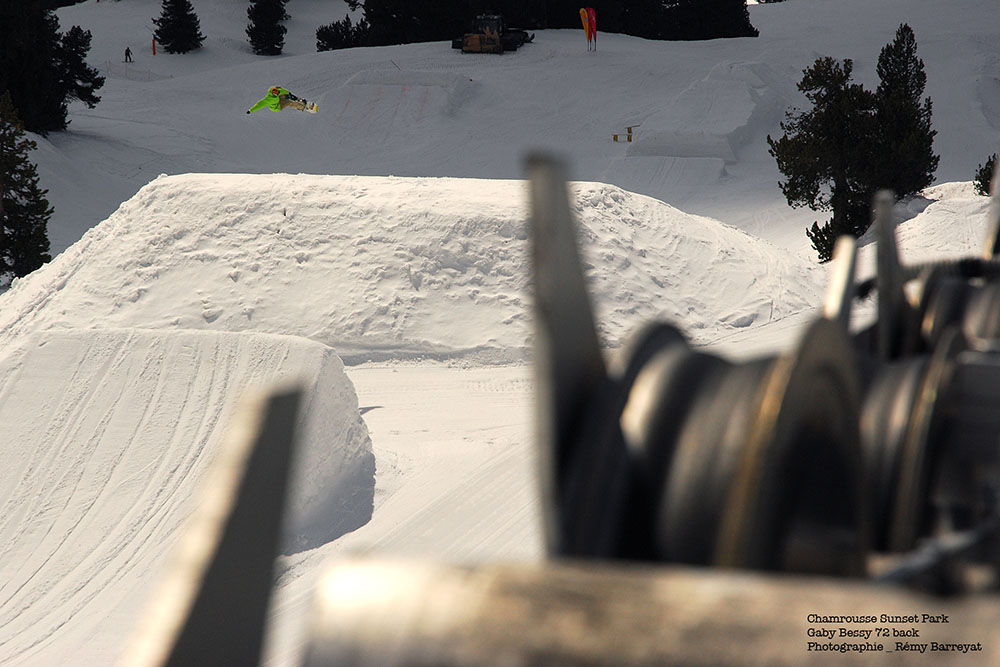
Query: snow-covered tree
[24,211]
[178,29]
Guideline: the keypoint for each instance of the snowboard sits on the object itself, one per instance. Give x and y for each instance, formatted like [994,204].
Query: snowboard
[311,107]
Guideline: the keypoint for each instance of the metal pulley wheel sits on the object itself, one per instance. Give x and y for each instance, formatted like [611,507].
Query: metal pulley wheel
[901,426]
[591,506]
[674,455]
[942,303]
[754,465]
[982,314]
[666,380]
[947,300]
[599,478]
[967,483]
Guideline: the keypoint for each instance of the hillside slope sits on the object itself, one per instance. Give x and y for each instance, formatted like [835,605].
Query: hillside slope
[702,110]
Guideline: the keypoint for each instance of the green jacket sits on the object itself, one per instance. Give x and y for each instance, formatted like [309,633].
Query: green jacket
[270,101]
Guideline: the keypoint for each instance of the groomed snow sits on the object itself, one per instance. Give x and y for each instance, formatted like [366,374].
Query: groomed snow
[388,232]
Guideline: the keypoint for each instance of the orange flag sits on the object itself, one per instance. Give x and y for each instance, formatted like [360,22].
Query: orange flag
[585,18]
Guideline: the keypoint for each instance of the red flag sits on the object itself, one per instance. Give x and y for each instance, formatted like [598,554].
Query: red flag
[592,23]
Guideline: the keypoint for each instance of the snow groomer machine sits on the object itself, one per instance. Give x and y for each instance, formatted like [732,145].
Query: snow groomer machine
[836,503]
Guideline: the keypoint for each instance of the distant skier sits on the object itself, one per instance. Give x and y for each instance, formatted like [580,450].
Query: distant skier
[278,98]
[128,54]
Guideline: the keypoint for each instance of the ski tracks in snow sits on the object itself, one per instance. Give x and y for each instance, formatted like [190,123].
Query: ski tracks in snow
[119,459]
[110,435]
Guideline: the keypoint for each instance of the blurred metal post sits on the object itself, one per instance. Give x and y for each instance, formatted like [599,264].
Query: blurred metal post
[840,291]
[992,247]
[569,366]
[212,606]
[372,613]
[891,299]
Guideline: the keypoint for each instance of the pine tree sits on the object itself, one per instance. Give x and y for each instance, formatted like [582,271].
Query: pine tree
[983,182]
[738,20]
[409,21]
[79,80]
[706,19]
[643,18]
[826,152]
[41,68]
[265,32]
[530,14]
[405,21]
[905,139]
[178,29]
[24,211]
[342,35]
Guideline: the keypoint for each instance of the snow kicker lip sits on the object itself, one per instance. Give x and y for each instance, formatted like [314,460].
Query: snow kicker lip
[411,256]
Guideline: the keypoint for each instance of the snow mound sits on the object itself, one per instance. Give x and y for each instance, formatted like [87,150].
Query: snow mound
[952,224]
[382,267]
[646,260]
[123,425]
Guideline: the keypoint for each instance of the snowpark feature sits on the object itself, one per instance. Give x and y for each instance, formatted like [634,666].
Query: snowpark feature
[390,263]
[333,253]
[123,425]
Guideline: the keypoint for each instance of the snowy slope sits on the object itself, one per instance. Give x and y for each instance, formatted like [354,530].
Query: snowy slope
[949,222]
[703,109]
[279,243]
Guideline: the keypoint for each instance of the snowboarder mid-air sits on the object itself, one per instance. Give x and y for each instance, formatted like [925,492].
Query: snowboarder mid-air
[278,98]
